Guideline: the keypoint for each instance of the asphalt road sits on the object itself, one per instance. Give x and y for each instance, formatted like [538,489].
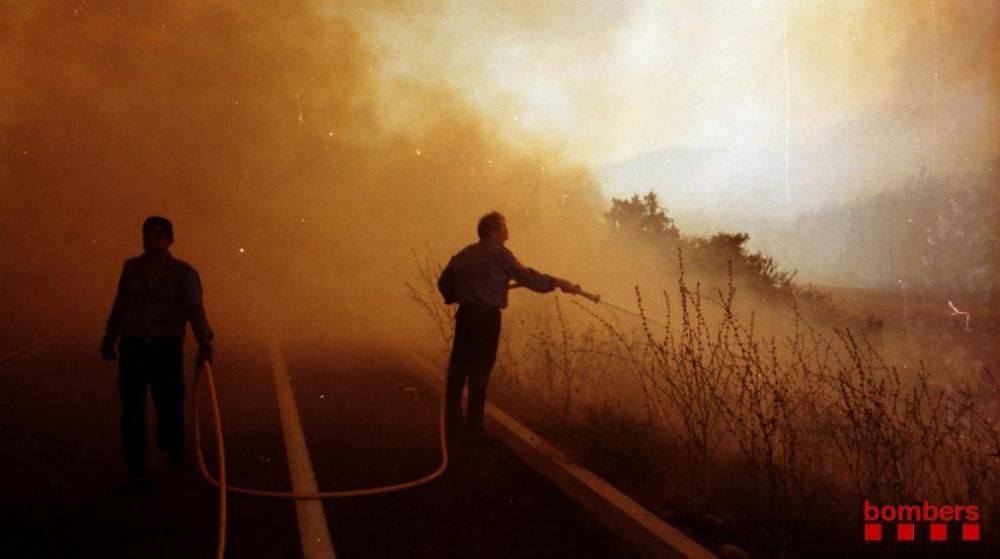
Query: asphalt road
[367,418]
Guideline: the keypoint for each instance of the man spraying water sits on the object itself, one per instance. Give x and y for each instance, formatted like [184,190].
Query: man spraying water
[477,278]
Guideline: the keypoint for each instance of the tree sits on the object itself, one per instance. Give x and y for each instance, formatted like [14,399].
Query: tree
[641,218]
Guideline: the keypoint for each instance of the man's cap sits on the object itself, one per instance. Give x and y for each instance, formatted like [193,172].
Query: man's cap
[159,224]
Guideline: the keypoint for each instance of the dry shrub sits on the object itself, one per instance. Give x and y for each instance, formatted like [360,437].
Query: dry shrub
[810,423]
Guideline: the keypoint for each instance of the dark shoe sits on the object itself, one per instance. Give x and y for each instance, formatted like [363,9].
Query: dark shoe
[132,485]
[175,458]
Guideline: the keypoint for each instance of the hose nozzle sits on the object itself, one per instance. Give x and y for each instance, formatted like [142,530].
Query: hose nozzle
[592,296]
[577,290]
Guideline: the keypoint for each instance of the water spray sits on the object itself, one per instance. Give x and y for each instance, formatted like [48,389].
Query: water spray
[596,298]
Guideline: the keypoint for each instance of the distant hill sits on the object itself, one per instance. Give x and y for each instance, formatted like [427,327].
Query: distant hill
[733,188]
[929,233]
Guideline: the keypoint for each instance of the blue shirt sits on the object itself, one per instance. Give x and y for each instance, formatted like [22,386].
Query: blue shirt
[479,274]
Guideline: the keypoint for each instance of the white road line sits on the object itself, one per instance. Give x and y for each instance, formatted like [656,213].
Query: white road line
[313,529]
[30,349]
[51,342]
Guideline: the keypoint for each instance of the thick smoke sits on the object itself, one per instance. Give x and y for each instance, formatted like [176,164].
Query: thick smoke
[303,171]
[257,132]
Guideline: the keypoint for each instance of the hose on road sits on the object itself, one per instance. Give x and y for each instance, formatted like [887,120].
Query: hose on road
[224,488]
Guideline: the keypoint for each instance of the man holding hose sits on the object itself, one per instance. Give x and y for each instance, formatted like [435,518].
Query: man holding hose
[477,278]
[157,295]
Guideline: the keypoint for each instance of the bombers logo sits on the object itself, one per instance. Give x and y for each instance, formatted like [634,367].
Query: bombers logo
[907,518]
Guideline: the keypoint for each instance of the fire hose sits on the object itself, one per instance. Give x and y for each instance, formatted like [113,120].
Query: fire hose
[205,370]
[224,487]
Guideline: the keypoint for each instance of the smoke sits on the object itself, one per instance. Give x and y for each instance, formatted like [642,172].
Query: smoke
[257,130]
[306,152]
[874,90]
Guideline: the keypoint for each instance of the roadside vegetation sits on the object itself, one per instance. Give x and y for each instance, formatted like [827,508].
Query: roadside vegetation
[742,424]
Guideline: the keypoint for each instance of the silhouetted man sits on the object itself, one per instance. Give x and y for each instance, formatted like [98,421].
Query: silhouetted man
[477,278]
[157,295]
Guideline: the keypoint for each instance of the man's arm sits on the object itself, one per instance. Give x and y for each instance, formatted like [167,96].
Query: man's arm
[530,278]
[114,325]
[194,312]
[533,279]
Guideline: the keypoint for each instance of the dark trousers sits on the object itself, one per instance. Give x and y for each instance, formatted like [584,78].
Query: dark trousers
[477,333]
[157,363]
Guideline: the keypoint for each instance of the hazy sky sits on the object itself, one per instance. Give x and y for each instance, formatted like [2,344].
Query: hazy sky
[863,92]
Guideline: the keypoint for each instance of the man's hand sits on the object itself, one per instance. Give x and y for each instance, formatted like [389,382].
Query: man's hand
[108,348]
[204,356]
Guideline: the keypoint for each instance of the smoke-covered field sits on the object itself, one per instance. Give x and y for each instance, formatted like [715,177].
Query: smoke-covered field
[320,161]
[766,434]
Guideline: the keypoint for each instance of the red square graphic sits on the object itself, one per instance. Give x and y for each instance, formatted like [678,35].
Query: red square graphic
[939,532]
[873,532]
[970,532]
[904,532]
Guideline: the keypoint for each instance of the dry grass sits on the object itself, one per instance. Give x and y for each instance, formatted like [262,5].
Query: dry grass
[776,438]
